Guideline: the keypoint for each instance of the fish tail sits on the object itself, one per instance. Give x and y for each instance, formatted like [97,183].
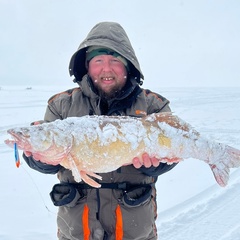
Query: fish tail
[233,156]
[221,170]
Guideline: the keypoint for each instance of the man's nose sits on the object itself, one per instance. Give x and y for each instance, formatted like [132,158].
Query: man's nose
[107,66]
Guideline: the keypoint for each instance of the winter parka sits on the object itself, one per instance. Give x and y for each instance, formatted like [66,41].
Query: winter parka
[125,206]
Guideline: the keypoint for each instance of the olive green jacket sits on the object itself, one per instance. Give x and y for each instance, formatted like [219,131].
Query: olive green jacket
[93,212]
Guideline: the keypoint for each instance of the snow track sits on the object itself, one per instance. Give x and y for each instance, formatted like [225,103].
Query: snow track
[211,215]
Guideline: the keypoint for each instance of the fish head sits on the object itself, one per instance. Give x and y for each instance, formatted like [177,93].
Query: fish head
[21,137]
[32,139]
[48,144]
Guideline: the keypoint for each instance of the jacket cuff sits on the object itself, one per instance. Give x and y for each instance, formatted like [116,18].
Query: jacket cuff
[41,167]
[156,171]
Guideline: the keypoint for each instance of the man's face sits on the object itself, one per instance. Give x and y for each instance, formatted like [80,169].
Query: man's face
[108,74]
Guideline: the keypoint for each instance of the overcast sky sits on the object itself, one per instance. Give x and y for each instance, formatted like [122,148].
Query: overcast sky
[178,42]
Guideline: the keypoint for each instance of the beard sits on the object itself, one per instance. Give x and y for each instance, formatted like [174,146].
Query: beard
[111,94]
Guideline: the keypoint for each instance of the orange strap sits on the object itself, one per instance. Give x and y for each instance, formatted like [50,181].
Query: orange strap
[119,223]
[85,223]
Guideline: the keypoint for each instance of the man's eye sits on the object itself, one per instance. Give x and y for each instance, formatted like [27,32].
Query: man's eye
[115,60]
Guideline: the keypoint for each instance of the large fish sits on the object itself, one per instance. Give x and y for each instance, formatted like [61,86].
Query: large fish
[98,144]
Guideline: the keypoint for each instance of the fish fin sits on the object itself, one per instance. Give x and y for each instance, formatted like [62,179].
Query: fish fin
[88,180]
[221,170]
[173,121]
[75,172]
[80,175]
[221,174]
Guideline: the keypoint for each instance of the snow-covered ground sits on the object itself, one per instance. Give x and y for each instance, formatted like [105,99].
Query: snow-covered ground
[191,206]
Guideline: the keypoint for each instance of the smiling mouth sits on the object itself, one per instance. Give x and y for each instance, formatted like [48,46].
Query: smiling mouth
[107,78]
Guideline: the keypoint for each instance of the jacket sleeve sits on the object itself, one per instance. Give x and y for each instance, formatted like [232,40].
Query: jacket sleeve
[156,171]
[41,167]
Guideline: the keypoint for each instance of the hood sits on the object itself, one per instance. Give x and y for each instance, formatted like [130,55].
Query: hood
[110,35]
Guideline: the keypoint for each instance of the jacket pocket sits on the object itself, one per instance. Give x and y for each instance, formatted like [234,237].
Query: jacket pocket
[137,196]
[66,194]
[138,213]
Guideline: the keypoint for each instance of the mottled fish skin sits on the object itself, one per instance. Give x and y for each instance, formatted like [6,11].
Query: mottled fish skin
[97,144]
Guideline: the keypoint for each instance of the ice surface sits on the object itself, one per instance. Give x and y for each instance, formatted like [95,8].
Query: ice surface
[190,204]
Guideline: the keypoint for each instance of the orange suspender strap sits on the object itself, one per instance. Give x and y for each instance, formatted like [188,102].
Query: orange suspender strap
[85,223]
[119,224]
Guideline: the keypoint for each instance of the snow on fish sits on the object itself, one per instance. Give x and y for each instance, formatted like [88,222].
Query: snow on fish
[97,144]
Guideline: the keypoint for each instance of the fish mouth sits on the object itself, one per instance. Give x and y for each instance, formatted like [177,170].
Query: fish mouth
[17,138]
